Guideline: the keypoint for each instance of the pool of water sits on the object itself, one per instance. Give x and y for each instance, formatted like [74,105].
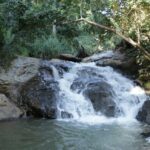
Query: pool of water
[63,135]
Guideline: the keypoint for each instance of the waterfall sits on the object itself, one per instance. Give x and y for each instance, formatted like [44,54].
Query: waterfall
[74,105]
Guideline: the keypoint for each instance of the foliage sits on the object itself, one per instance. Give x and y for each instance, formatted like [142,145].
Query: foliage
[48,47]
[46,28]
[89,42]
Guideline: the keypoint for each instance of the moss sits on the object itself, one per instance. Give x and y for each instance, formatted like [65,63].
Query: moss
[147,85]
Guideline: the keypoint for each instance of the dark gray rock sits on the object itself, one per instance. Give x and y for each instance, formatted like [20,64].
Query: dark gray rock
[61,65]
[39,97]
[144,113]
[101,95]
[79,84]
[145,134]
[85,75]
[66,115]
[30,83]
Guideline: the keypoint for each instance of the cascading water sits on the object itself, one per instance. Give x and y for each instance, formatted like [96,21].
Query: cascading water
[96,109]
[73,104]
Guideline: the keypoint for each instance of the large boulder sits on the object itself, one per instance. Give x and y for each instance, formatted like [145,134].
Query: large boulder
[144,113]
[101,95]
[39,97]
[116,60]
[8,110]
[31,83]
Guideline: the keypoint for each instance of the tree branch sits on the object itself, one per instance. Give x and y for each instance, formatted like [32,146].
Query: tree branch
[127,39]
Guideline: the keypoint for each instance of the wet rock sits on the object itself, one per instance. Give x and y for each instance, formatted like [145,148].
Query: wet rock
[8,110]
[94,86]
[146,131]
[145,134]
[79,84]
[144,113]
[31,84]
[66,115]
[39,97]
[85,75]
[101,95]
[60,65]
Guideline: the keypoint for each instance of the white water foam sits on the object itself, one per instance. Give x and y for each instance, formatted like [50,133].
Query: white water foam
[128,97]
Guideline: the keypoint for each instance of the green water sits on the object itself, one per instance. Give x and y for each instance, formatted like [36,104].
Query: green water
[58,135]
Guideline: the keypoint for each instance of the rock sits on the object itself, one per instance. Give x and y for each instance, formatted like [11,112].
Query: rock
[66,115]
[146,131]
[101,95]
[144,113]
[124,65]
[79,84]
[145,134]
[85,75]
[39,97]
[100,56]
[8,110]
[56,64]
[116,60]
[31,84]
[21,70]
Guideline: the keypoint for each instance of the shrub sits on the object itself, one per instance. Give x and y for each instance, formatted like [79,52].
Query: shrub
[48,47]
[89,42]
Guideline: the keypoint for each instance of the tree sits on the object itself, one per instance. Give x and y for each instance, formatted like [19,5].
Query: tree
[128,20]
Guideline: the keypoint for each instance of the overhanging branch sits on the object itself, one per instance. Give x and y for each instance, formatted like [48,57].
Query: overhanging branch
[127,39]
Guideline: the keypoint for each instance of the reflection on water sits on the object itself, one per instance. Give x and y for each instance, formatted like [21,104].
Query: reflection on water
[57,135]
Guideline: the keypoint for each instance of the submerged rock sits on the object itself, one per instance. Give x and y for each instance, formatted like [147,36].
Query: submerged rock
[8,110]
[144,113]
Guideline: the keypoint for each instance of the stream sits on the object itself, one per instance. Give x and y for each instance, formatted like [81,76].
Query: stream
[96,110]
[62,135]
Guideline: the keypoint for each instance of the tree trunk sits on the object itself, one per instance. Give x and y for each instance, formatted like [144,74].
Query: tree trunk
[54,28]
